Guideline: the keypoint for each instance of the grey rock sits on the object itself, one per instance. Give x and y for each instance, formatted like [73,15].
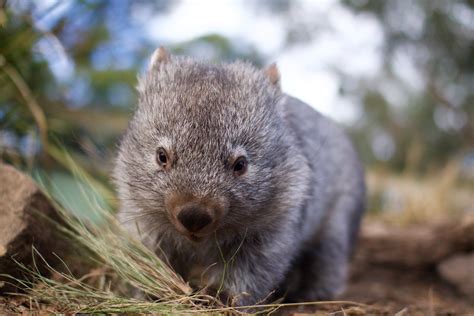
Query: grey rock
[23,226]
[459,271]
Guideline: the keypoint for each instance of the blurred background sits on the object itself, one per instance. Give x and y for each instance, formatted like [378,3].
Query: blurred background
[398,75]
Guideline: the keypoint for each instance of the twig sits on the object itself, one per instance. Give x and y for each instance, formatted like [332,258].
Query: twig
[30,101]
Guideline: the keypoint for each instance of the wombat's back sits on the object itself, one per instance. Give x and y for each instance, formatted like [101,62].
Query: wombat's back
[336,169]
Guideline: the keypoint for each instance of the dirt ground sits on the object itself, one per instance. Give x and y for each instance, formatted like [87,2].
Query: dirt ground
[393,273]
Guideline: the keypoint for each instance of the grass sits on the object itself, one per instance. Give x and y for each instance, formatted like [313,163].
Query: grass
[133,267]
[406,199]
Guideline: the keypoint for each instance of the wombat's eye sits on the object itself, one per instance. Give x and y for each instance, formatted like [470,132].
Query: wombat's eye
[162,157]
[240,166]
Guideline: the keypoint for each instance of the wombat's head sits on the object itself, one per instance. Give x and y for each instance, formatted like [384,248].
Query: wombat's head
[206,149]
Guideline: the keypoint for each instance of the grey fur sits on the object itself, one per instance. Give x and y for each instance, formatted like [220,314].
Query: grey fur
[291,220]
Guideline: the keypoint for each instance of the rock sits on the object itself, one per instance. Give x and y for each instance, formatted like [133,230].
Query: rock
[24,224]
[459,271]
[416,247]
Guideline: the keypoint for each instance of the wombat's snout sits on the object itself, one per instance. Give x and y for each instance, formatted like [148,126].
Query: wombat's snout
[195,218]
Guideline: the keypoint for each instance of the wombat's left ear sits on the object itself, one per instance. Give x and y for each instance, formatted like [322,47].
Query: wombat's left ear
[160,56]
[273,74]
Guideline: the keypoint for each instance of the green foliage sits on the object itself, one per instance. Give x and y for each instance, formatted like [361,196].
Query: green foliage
[438,114]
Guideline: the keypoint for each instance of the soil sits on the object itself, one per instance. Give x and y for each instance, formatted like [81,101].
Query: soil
[394,272]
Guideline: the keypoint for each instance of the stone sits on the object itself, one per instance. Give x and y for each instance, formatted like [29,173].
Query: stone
[25,222]
[459,271]
[416,247]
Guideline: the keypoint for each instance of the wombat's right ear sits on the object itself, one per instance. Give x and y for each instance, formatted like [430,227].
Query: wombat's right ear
[273,74]
[160,56]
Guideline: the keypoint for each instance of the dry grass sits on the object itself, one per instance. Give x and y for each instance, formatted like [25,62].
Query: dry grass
[407,199]
[131,267]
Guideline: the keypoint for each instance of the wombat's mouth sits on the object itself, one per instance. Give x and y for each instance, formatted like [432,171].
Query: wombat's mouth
[195,238]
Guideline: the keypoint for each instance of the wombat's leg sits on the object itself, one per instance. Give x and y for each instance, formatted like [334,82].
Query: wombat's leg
[324,264]
[259,267]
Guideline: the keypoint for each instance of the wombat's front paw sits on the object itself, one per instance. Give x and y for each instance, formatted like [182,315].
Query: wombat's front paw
[221,297]
[227,299]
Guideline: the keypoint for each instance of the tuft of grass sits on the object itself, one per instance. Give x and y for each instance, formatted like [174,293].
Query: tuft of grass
[132,267]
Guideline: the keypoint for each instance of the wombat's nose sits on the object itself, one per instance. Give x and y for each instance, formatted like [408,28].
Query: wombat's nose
[194,218]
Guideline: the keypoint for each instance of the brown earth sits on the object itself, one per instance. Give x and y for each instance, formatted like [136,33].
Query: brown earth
[394,272]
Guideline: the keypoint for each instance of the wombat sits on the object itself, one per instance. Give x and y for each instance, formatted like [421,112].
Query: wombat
[242,188]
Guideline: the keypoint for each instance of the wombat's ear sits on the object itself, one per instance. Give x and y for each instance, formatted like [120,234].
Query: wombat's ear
[273,74]
[160,55]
